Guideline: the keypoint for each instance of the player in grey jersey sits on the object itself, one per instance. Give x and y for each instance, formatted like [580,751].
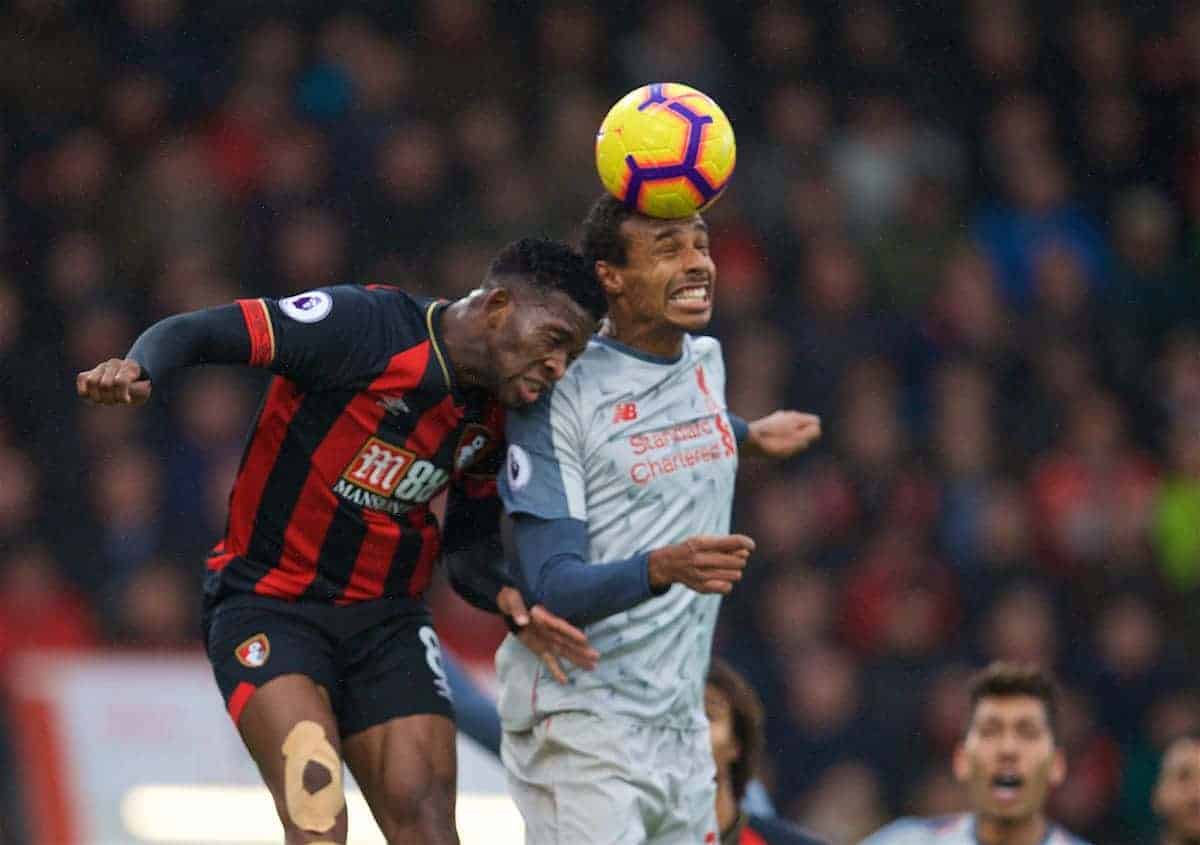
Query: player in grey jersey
[620,485]
[1009,760]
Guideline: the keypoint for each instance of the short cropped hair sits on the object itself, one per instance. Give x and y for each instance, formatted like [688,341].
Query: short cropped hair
[602,238]
[550,265]
[748,722]
[1006,680]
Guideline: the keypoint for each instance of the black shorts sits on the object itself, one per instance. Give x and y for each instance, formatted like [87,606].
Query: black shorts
[378,660]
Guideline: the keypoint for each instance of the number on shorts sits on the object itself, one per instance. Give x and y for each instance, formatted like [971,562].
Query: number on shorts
[433,657]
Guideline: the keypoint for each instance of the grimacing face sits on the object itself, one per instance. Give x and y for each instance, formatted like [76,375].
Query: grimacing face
[535,335]
[669,276]
[1009,760]
[1177,794]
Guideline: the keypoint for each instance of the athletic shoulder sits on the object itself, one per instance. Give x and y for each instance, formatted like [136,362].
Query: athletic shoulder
[706,352]
[596,363]
[705,345]
[410,315]
[338,336]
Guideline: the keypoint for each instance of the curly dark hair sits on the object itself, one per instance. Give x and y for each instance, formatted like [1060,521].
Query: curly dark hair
[602,238]
[551,265]
[1004,680]
[748,722]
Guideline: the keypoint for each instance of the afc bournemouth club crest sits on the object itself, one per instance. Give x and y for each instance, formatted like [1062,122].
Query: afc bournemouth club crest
[254,651]
[476,441]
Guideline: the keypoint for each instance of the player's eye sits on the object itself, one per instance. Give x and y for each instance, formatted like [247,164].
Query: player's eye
[1027,730]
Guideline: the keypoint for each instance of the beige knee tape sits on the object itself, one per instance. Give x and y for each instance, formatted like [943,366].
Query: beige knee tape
[312,811]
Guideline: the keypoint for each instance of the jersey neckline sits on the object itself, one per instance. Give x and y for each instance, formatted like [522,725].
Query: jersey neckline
[433,324]
[617,346]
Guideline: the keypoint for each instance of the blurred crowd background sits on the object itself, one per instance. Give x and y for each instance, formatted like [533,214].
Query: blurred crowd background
[966,234]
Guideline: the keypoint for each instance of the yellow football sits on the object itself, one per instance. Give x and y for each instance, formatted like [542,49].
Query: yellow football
[666,150]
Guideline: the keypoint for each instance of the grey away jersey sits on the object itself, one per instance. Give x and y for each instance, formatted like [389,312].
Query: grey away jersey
[641,450]
[949,830]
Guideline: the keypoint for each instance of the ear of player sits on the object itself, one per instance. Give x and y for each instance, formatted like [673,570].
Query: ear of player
[666,150]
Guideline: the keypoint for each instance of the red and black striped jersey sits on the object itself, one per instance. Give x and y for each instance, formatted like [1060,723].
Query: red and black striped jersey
[361,427]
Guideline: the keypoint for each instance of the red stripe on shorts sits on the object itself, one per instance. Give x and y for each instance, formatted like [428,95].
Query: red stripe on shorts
[237,701]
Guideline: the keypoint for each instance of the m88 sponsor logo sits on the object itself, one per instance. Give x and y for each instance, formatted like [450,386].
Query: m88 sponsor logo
[388,478]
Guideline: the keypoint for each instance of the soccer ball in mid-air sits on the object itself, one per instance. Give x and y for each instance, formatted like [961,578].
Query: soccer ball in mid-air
[666,150]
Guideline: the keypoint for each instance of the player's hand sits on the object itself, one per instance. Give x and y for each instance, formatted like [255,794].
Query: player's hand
[706,563]
[782,434]
[115,382]
[548,636]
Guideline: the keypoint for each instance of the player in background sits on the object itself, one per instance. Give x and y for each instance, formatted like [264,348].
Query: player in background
[1008,759]
[735,718]
[1177,793]
[319,637]
[620,487]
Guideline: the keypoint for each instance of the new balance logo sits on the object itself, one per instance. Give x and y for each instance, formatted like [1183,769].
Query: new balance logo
[625,412]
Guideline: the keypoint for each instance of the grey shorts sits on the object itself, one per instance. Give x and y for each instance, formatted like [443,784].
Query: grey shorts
[580,779]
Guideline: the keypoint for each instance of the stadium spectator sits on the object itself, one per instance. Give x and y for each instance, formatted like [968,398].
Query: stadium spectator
[735,718]
[1177,793]
[1009,759]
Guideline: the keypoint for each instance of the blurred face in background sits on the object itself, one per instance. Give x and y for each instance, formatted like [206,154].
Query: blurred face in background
[1177,794]
[719,709]
[1009,759]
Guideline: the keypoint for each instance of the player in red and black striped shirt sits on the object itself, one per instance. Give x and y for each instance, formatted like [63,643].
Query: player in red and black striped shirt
[319,638]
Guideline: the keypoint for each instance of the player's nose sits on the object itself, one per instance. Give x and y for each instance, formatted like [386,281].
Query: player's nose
[698,263]
[1008,747]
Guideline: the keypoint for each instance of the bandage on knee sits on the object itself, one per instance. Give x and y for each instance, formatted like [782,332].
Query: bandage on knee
[312,778]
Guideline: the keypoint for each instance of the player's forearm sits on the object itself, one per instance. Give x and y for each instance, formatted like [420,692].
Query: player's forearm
[476,573]
[472,549]
[212,336]
[583,593]
[560,578]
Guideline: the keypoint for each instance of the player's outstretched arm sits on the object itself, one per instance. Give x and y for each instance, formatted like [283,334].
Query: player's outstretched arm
[781,434]
[214,335]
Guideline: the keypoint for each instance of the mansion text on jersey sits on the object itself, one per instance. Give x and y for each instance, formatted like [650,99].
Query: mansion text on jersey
[372,501]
